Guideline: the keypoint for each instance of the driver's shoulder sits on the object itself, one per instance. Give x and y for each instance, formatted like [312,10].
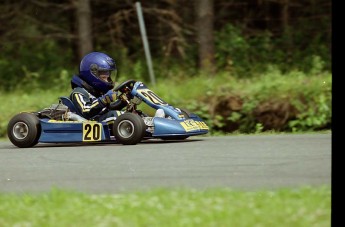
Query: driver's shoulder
[80,90]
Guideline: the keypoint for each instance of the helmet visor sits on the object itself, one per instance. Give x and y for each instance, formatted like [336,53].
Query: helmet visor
[107,75]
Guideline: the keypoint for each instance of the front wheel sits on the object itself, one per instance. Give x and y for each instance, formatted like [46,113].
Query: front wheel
[129,129]
[24,130]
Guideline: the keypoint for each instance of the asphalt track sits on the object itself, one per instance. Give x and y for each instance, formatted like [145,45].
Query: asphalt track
[238,162]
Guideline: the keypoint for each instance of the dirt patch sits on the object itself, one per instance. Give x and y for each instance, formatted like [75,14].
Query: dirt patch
[275,114]
[224,106]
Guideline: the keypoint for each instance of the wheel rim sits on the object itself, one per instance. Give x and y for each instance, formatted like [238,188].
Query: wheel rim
[20,130]
[125,129]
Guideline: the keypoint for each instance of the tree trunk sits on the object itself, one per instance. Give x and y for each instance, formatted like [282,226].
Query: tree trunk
[205,38]
[285,18]
[84,26]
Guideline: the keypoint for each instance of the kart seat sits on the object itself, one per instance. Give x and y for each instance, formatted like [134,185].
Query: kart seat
[67,102]
[74,113]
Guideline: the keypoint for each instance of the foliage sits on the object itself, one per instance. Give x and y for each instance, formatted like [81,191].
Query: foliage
[37,45]
[246,56]
[29,67]
[314,117]
[308,98]
[304,206]
[42,67]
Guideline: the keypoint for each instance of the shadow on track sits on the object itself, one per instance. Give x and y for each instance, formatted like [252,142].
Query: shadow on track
[103,143]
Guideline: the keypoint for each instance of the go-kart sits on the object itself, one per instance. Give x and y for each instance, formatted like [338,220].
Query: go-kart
[61,123]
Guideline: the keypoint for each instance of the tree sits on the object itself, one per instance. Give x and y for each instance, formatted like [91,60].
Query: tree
[205,38]
[84,26]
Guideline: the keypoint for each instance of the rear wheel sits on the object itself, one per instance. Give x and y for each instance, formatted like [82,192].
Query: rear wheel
[24,130]
[129,129]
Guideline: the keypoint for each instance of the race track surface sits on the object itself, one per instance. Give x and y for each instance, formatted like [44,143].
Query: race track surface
[238,162]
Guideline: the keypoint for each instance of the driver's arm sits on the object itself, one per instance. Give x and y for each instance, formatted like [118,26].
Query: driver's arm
[119,104]
[88,107]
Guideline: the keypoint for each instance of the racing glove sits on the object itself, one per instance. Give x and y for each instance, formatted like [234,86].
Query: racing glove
[108,97]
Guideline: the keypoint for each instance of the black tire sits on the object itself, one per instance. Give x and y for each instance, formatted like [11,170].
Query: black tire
[24,130]
[129,129]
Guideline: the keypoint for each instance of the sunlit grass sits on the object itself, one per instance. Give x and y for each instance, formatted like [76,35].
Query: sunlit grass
[306,206]
[183,93]
[16,102]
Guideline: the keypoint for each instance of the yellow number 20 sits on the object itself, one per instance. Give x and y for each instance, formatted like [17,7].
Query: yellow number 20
[92,132]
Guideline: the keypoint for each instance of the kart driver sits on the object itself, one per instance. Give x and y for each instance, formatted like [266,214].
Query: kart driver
[92,93]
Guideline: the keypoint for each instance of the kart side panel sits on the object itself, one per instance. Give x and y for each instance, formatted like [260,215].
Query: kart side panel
[73,131]
[187,127]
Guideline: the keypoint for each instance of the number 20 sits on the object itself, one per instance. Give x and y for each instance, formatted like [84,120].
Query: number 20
[92,132]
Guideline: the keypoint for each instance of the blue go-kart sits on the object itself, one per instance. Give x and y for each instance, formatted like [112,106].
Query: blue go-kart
[61,123]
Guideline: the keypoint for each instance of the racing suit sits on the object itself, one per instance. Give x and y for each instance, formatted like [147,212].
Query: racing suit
[88,104]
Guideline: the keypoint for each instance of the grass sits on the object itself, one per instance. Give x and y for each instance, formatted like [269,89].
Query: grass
[16,102]
[305,206]
[194,92]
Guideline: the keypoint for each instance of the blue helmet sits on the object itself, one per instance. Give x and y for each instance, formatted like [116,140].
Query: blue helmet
[90,67]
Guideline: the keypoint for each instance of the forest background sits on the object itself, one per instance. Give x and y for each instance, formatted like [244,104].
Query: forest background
[248,66]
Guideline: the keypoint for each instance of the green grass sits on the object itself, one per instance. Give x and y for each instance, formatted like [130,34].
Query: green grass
[199,93]
[304,206]
[16,102]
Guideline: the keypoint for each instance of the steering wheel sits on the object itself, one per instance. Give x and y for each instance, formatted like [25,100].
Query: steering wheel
[129,83]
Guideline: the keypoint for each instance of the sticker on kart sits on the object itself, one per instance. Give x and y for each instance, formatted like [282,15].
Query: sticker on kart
[202,125]
[92,132]
[152,97]
[191,125]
